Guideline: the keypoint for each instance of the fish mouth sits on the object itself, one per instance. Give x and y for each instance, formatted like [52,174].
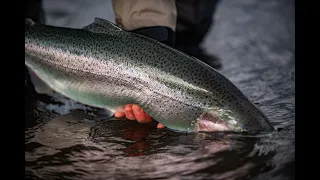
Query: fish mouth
[211,122]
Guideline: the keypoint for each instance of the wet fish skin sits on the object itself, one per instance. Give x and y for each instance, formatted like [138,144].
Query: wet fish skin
[104,66]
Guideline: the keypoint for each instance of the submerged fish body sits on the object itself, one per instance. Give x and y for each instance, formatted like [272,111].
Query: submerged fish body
[104,66]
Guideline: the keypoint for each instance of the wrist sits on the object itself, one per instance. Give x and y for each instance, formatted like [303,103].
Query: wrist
[160,33]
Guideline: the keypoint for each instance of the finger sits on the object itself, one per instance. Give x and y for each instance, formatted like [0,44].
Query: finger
[119,114]
[129,113]
[160,126]
[148,118]
[128,105]
[138,113]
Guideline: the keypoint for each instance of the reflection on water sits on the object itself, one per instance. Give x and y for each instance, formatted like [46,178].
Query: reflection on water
[74,146]
[66,140]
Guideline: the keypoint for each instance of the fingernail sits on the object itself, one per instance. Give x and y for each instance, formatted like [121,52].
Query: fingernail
[130,116]
[137,109]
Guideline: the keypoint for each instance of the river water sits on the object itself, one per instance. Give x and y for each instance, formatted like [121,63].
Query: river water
[256,41]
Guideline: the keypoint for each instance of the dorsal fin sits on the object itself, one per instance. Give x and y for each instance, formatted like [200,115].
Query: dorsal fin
[102,26]
[29,22]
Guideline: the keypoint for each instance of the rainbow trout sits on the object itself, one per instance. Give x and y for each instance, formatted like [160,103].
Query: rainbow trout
[102,65]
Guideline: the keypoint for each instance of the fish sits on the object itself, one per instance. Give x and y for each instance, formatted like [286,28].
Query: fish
[104,66]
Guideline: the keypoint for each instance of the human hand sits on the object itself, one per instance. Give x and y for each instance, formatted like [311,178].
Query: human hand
[135,112]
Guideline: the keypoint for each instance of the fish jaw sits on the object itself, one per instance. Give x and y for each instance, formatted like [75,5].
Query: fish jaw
[211,122]
[222,120]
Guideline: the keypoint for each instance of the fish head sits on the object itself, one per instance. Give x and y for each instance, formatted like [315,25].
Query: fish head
[247,119]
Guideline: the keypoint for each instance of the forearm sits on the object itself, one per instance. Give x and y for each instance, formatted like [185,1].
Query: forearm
[136,14]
